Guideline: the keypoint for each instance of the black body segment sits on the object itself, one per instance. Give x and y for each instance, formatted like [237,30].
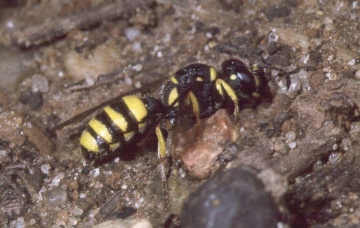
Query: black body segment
[191,91]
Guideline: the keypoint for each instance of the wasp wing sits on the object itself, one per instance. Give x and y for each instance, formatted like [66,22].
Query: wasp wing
[88,112]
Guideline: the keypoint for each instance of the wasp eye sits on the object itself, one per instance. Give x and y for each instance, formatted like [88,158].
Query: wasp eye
[243,76]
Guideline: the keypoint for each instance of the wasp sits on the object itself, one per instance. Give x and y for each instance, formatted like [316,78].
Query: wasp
[197,90]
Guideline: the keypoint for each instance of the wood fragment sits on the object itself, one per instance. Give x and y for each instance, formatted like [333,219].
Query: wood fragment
[49,30]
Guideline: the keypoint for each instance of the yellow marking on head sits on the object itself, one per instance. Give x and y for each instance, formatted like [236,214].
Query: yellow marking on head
[199,79]
[213,74]
[101,130]
[89,142]
[128,136]
[233,77]
[173,95]
[117,118]
[174,80]
[136,107]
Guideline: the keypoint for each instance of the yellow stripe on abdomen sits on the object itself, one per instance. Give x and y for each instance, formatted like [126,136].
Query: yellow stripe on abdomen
[101,130]
[117,118]
[136,107]
[89,142]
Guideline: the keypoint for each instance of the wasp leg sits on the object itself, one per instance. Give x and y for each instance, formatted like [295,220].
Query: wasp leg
[195,106]
[223,87]
[163,163]
[286,74]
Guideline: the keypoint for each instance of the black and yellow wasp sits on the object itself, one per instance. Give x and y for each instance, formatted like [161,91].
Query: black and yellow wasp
[197,90]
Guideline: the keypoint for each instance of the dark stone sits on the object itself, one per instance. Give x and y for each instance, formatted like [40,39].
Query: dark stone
[316,57]
[86,170]
[273,48]
[126,212]
[27,155]
[34,100]
[235,198]
[3,144]
[231,4]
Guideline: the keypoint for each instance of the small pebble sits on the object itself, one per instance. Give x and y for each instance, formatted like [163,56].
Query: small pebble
[128,81]
[19,223]
[335,146]
[132,33]
[273,37]
[166,38]
[40,84]
[56,197]
[159,54]
[89,81]
[334,157]
[352,62]
[331,76]
[292,145]
[357,74]
[280,146]
[32,222]
[57,179]
[73,221]
[138,67]
[345,143]
[89,222]
[354,4]
[94,172]
[317,165]
[77,211]
[45,168]
[63,216]
[355,127]
[137,47]
[137,84]
[290,136]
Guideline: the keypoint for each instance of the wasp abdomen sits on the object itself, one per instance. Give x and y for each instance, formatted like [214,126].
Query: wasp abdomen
[120,124]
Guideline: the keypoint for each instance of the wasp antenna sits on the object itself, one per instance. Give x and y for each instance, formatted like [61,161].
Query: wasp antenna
[306,68]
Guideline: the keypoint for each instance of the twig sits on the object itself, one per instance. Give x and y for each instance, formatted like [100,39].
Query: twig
[52,29]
